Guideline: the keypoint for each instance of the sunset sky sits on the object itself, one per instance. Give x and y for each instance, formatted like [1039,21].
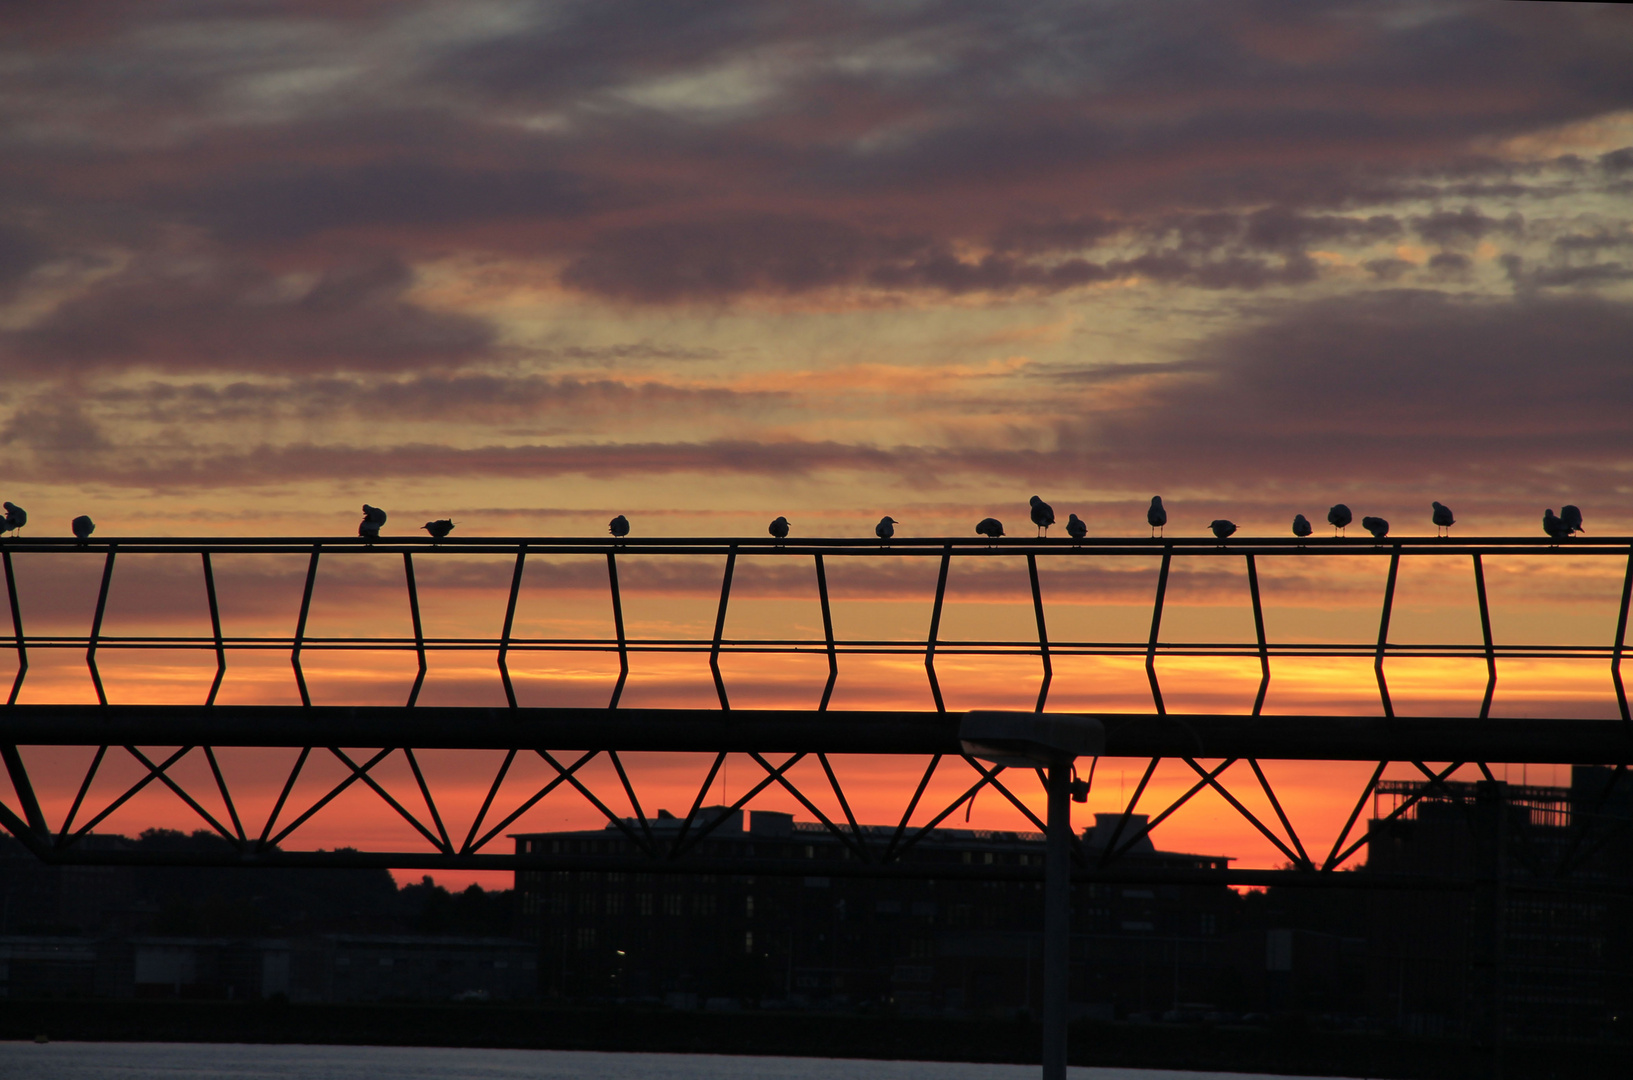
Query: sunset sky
[531,265]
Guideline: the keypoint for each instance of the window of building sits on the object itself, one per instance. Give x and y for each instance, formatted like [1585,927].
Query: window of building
[615,903]
[674,904]
[643,903]
[703,904]
[748,941]
[748,905]
[586,937]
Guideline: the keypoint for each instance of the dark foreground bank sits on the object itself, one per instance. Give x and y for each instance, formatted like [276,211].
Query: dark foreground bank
[1288,1048]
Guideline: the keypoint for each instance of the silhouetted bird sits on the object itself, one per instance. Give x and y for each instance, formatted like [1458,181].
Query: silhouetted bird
[1571,518]
[1301,526]
[619,526]
[991,528]
[439,528]
[1222,528]
[83,526]
[1377,526]
[16,517]
[1075,527]
[1043,515]
[1554,527]
[1156,517]
[373,518]
[779,528]
[1443,518]
[1339,518]
[886,527]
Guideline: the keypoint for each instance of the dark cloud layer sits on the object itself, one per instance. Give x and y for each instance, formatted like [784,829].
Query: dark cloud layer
[918,130]
[178,315]
[1403,386]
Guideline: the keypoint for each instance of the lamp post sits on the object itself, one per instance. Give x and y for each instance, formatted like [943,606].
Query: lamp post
[1050,741]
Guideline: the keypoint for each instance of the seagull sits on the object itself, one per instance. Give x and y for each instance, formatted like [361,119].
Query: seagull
[1339,517]
[619,526]
[1443,518]
[1222,528]
[1043,515]
[1156,517]
[779,528]
[1377,526]
[16,517]
[1553,526]
[83,526]
[1075,527]
[373,518]
[991,528]
[1571,518]
[886,527]
[439,528]
[1301,526]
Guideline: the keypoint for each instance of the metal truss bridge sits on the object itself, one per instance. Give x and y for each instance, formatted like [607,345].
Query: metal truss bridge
[568,739]
[1039,746]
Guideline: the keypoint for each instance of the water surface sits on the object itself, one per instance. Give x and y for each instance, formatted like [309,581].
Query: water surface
[234,1061]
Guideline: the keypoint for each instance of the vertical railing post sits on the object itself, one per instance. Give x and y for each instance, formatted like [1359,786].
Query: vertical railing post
[215,629]
[1258,628]
[96,626]
[510,621]
[1156,629]
[1383,630]
[1043,631]
[1621,641]
[419,633]
[618,625]
[935,629]
[1485,630]
[300,625]
[17,630]
[720,628]
[827,633]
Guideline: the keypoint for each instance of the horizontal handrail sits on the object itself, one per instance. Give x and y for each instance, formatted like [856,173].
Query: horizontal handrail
[917,545]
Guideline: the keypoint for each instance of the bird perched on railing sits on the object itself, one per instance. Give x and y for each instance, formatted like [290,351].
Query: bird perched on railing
[373,519]
[1222,528]
[1553,526]
[1043,515]
[1571,518]
[1377,526]
[1339,518]
[1301,526]
[1075,527]
[83,526]
[439,528]
[886,527]
[991,528]
[778,528]
[619,526]
[1156,516]
[16,517]
[1443,518]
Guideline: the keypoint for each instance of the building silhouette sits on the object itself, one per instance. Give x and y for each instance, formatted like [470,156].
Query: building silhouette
[830,940]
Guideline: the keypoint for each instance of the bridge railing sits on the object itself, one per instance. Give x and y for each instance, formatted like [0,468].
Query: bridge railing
[1061,554]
